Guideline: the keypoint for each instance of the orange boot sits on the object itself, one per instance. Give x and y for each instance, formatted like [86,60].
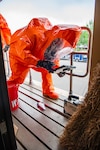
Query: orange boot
[52,95]
[47,86]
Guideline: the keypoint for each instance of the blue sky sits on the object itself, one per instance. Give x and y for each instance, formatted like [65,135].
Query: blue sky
[19,12]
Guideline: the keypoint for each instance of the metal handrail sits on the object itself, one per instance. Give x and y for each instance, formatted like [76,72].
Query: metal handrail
[85,53]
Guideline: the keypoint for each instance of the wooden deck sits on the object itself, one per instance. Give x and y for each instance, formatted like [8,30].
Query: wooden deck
[37,129]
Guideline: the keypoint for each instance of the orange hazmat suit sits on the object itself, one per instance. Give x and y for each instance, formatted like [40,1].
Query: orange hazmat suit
[5,31]
[29,44]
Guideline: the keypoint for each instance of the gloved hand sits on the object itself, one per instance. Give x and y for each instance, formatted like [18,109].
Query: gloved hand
[61,74]
[46,64]
[5,49]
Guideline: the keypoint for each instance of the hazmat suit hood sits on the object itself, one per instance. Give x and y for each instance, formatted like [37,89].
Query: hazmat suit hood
[40,23]
[61,40]
[49,35]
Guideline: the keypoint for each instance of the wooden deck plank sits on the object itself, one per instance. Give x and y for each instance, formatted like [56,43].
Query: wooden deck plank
[27,139]
[42,99]
[42,119]
[19,146]
[38,94]
[36,129]
[51,114]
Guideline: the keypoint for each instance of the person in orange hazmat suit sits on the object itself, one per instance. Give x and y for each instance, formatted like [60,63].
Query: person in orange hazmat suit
[5,33]
[34,46]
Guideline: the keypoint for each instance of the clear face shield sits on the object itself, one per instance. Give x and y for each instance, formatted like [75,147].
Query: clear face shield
[56,50]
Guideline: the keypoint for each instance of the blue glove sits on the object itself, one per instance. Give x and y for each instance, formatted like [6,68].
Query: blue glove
[46,64]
